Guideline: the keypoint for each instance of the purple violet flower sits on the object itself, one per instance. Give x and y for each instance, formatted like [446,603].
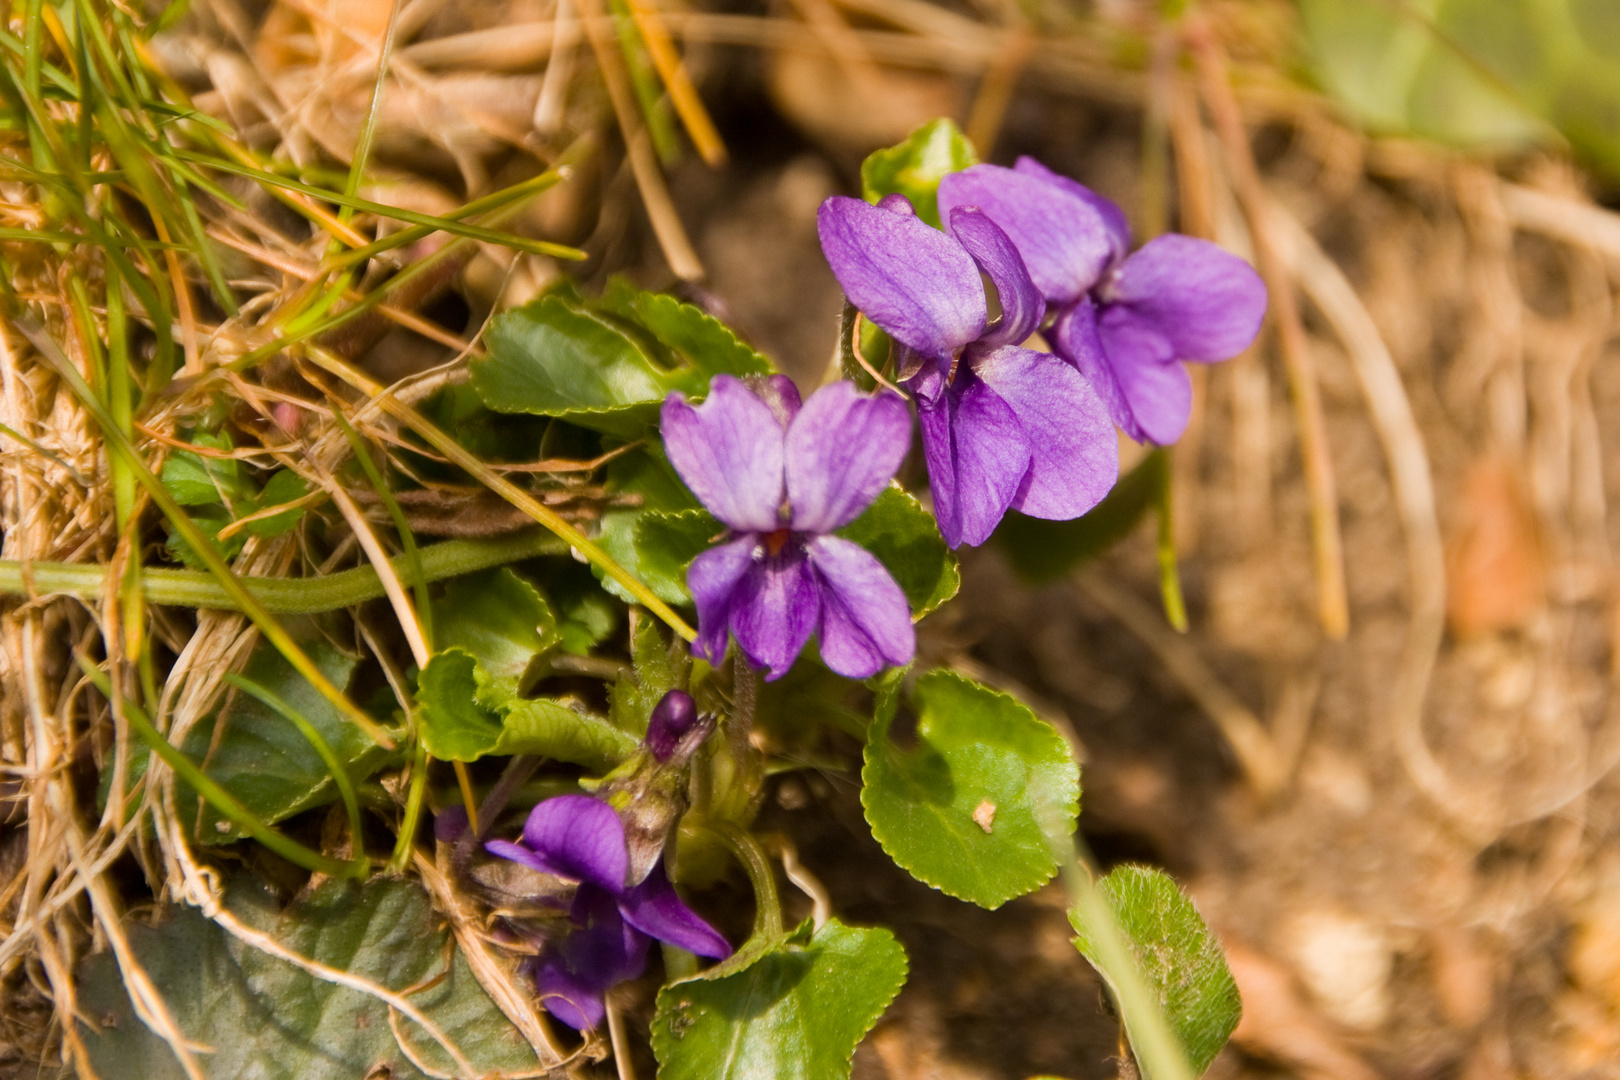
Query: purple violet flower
[582,839]
[1125,321]
[782,477]
[1003,426]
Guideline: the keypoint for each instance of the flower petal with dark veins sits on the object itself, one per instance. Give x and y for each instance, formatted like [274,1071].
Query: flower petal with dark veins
[573,836]
[603,950]
[842,450]
[977,458]
[865,622]
[775,608]
[713,579]
[1205,301]
[1066,243]
[1154,384]
[1113,218]
[909,278]
[728,450]
[1074,451]
[1022,305]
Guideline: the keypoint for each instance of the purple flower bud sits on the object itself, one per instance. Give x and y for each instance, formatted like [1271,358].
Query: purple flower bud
[449,824]
[673,716]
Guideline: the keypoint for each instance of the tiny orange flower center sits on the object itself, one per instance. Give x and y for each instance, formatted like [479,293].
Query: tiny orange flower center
[776,540]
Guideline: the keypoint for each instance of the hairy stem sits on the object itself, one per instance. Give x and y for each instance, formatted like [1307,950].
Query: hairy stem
[280,596]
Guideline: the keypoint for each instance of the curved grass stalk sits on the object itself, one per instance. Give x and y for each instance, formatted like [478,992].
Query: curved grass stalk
[280,596]
[465,459]
[200,543]
[395,213]
[329,758]
[216,795]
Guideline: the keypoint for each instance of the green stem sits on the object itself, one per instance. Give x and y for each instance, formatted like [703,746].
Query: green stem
[767,908]
[279,596]
[413,810]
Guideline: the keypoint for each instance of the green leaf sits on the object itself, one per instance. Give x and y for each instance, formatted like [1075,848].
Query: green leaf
[284,486]
[549,359]
[915,167]
[794,1013]
[708,344]
[195,480]
[586,615]
[1475,73]
[262,758]
[552,729]
[656,670]
[666,542]
[962,809]
[263,1017]
[905,538]
[466,714]
[1041,550]
[497,617]
[648,476]
[1177,955]
[453,723]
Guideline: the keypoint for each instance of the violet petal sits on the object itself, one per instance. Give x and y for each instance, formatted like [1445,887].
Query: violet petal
[842,451]
[713,579]
[729,452]
[1119,229]
[520,854]
[977,458]
[1075,451]
[911,279]
[779,393]
[578,837]
[775,609]
[1155,386]
[602,951]
[1022,305]
[653,907]
[1074,338]
[1205,301]
[1064,241]
[865,622]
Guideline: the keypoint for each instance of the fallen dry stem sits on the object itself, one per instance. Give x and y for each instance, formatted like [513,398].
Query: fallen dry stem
[1333,601]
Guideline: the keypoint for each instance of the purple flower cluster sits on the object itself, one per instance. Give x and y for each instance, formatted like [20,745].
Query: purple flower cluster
[782,477]
[1004,427]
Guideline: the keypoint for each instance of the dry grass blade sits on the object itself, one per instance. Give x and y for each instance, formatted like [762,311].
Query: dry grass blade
[1258,208]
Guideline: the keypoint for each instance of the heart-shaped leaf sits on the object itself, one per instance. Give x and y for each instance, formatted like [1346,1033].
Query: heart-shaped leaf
[550,359]
[795,1013]
[262,758]
[263,1017]
[465,714]
[962,805]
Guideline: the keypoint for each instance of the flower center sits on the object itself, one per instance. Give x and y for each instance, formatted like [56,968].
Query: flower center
[776,540]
